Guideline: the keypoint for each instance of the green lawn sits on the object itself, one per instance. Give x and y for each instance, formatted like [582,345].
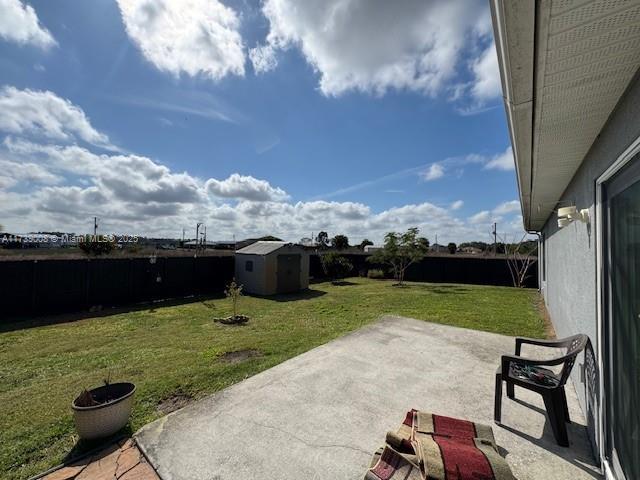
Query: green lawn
[177,350]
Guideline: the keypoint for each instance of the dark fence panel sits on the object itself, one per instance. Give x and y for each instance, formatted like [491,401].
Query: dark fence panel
[29,287]
[443,269]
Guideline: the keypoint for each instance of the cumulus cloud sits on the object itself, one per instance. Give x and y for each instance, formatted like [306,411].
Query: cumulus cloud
[457,205]
[502,161]
[195,37]
[507,208]
[434,172]
[245,187]
[481,217]
[14,172]
[44,114]
[419,51]
[130,178]
[19,23]
[486,84]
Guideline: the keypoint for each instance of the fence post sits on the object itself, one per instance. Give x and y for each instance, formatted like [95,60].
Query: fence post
[34,287]
[87,286]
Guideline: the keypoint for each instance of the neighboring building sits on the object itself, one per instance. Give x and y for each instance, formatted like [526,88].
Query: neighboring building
[200,244]
[308,242]
[268,268]
[437,248]
[371,249]
[572,94]
[471,250]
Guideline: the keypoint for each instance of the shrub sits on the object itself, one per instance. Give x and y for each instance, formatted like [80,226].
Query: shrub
[234,292]
[376,273]
[335,266]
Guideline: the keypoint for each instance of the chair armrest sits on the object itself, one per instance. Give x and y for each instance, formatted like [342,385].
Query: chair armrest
[507,360]
[536,341]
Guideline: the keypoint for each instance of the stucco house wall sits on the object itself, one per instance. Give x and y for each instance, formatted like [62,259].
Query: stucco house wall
[569,286]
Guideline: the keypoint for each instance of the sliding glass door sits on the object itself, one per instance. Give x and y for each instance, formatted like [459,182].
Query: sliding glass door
[622,325]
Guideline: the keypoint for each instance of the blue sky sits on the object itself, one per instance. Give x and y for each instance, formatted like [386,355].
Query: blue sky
[353,116]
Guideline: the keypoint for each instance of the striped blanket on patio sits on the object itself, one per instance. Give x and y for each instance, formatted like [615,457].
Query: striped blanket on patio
[433,447]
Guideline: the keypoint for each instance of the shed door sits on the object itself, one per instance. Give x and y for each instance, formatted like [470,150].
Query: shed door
[288,273]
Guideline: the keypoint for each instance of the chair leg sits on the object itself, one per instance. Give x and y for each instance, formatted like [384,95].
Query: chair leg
[511,390]
[565,406]
[497,409]
[555,412]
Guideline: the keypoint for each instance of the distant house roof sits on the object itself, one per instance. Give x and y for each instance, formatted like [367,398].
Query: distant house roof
[262,247]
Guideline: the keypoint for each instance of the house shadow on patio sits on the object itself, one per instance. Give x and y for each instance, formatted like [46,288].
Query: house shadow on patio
[581,458]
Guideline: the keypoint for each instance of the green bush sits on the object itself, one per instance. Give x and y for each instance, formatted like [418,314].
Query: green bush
[375,273]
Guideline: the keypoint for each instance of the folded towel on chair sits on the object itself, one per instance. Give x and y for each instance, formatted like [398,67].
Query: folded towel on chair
[434,447]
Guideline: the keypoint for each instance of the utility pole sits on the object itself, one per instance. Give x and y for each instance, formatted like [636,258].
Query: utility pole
[495,239]
[95,226]
[205,236]
[198,234]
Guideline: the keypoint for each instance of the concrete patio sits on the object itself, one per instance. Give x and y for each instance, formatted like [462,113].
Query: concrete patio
[322,414]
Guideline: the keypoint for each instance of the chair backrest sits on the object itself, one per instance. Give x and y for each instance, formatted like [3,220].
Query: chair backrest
[574,345]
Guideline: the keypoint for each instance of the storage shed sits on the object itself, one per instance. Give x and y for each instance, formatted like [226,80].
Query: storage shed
[269,268]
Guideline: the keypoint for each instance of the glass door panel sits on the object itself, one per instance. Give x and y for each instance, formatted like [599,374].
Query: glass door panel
[623,325]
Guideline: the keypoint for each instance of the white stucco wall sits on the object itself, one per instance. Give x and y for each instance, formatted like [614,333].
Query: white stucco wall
[570,286]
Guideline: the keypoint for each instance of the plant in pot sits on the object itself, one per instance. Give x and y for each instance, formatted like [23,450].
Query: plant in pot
[233,292]
[104,410]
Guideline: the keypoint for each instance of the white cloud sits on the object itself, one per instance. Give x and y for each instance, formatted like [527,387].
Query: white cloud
[263,58]
[457,205]
[507,208]
[43,113]
[126,178]
[19,23]
[245,187]
[434,172]
[196,37]
[481,217]
[486,85]
[14,172]
[419,50]
[502,161]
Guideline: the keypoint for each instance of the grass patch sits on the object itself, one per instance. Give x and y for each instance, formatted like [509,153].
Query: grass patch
[177,353]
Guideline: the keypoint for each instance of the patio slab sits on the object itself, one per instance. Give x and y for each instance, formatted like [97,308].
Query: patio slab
[322,414]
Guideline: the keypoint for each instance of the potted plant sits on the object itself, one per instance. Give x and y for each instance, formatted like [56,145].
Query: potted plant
[103,411]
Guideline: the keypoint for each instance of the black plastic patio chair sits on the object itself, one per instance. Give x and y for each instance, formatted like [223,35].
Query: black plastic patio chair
[530,374]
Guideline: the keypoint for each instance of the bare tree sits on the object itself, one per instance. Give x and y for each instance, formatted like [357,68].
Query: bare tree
[519,259]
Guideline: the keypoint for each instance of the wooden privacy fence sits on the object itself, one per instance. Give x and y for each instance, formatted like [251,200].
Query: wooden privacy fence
[443,269]
[29,287]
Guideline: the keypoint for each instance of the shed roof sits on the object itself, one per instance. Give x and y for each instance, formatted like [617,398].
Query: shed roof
[263,247]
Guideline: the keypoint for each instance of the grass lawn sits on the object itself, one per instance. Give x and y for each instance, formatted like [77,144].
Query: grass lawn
[178,350]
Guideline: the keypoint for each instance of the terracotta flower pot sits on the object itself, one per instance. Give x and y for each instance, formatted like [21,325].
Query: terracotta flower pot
[110,414]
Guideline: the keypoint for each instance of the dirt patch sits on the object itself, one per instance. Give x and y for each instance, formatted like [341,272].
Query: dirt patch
[174,402]
[239,356]
[549,331]
[233,320]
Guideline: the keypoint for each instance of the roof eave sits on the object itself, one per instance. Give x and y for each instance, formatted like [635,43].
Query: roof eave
[514,32]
